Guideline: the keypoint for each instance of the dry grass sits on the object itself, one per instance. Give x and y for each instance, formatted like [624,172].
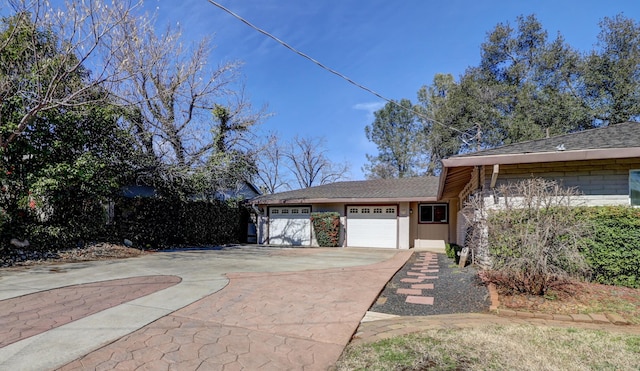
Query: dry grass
[514,347]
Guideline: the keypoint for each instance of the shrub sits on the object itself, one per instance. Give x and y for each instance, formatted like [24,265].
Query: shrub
[613,250]
[327,228]
[448,249]
[158,222]
[534,236]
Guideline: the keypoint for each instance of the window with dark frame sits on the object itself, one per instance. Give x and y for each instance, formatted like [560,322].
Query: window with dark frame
[634,187]
[433,213]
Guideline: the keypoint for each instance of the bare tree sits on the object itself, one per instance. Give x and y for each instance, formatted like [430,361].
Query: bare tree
[309,164]
[68,55]
[270,177]
[183,110]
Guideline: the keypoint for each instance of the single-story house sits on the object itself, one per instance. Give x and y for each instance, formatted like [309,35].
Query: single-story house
[389,213]
[602,163]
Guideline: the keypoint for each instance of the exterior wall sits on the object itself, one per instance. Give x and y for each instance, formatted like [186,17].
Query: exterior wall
[418,231]
[404,225]
[262,229]
[602,182]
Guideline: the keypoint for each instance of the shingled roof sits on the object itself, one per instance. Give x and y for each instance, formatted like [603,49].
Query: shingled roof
[622,135]
[375,190]
[614,141]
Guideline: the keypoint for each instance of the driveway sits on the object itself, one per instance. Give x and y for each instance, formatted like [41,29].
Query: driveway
[241,307]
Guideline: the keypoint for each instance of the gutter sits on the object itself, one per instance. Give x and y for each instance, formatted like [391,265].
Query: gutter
[536,157]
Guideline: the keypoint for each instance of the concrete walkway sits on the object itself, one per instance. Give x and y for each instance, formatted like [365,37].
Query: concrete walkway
[238,308]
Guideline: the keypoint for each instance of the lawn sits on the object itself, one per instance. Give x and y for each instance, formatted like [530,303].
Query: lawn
[512,347]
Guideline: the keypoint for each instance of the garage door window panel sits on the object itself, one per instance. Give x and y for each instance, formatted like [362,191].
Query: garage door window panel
[434,213]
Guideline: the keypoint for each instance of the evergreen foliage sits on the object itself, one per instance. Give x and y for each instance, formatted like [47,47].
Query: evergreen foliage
[326,227]
[613,250]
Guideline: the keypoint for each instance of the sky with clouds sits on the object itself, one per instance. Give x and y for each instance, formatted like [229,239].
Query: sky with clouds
[391,47]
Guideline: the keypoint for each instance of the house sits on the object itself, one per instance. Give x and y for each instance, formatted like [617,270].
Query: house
[603,164]
[386,213]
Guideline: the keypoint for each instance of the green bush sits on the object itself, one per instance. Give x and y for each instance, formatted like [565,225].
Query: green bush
[327,228]
[613,251]
[158,223]
[452,250]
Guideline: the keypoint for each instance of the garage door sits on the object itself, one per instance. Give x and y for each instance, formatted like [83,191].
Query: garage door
[372,226]
[290,225]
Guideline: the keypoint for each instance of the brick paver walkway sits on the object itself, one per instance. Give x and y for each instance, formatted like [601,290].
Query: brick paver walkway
[32,314]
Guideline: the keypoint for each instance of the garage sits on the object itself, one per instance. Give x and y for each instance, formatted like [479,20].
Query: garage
[372,226]
[290,225]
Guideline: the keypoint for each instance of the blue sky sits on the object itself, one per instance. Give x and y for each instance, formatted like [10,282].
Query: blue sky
[392,47]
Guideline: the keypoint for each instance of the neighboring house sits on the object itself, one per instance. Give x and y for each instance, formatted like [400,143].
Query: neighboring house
[602,164]
[387,213]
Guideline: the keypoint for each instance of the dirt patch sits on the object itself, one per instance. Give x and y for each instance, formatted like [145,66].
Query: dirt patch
[97,251]
[579,297]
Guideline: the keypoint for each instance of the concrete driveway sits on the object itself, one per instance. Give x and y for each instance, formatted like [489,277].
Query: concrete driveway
[243,307]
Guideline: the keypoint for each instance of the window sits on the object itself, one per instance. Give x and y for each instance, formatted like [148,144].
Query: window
[366,210]
[304,211]
[390,210]
[285,211]
[377,210]
[634,187]
[353,210]
[275,211]
[294,211]
[434,213]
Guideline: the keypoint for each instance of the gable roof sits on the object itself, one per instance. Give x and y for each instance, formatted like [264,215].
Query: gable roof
[375,190]
[614,141]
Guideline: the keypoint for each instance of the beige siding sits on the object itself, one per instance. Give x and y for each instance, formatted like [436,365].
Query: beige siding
[601,182]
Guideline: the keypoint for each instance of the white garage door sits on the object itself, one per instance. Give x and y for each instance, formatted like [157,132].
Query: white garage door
[290,225]
[372,226]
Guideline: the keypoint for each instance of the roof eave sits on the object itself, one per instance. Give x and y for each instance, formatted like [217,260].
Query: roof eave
[349,200]
[527,158]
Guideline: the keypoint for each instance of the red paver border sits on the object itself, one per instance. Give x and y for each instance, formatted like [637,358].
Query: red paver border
[29,315]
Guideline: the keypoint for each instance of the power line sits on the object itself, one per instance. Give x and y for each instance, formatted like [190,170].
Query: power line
[326,68]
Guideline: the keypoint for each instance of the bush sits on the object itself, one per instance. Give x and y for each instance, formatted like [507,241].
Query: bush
[534,237]
[448,249]
[452,250]
[613,251]
[158,223]
[327,228]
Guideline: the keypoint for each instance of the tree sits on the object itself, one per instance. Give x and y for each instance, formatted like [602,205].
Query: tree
[270,176]
[307,161]
[177,113]
[397,134]
[46,54]
[612,73]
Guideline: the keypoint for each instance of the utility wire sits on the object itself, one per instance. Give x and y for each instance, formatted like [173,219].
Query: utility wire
[324,67]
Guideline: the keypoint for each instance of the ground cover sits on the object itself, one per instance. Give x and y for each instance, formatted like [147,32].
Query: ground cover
[513,347]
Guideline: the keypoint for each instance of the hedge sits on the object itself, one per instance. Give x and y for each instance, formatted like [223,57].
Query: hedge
[327,228]
[613,251]
[158,223]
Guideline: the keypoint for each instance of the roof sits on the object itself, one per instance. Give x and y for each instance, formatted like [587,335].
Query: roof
[614,141]
[610,142]
[375,190]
